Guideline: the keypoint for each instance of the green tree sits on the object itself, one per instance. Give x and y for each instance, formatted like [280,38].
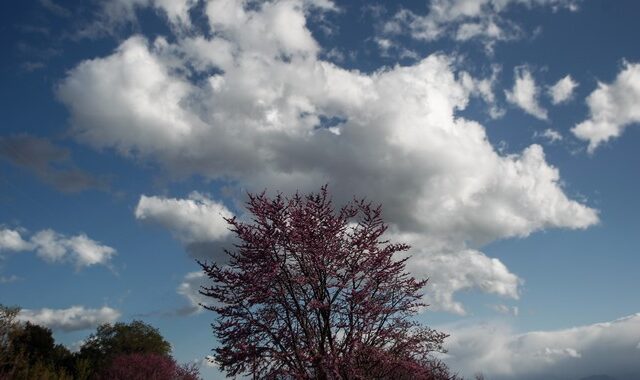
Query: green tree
[120,338]
[38,345]
[28,351]
[8,328]
[8,323]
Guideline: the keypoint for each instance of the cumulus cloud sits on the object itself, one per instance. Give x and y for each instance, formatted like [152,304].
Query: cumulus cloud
[192,220]
[50,163]
[71,319]
[525,93]
[493,349]
[562,91]
[484,88]
[11,240]
[80,249]
[452,272]
[55,247]
[259,117]
[612,108]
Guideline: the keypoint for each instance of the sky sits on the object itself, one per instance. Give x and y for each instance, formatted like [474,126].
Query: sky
[500,136]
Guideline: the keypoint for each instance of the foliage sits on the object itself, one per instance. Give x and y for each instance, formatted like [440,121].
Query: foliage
[38,345]
[8,325]
[28,351]
[310,292]
[149,366]
[120,351]
[110,341]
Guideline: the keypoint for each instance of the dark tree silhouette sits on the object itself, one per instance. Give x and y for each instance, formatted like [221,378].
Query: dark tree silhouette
[120,351]
[315,293]
[8,327]
[36,343]
[28,351]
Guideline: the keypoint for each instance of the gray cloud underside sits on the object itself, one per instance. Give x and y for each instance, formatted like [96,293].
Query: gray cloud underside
[50,163]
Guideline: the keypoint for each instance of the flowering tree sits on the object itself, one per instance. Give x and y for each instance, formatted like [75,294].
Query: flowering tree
[149,366]
[311,292]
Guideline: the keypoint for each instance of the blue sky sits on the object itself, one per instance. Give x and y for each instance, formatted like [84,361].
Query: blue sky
[500,137]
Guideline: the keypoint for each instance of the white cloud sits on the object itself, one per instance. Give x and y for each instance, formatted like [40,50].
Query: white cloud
[190,289]
[50,245]
[462,270]
[612,108]
[258,123]
[80,249]
[192,220]
[464,20]
[525,93]
[556,353]
[71,319]
[493,349]
[177,10]
[54,247]
[562,91]
[484,88]
[550,134]
[86,252]
[11,240]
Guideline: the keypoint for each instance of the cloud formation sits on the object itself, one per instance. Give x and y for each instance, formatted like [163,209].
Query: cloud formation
[452,272]
[525,93]
[562,91]
[493,349]
[612,108]
[258,119]
[464,20]
[11,240]
[196,219]
[70,319]
[189,288]
[551,135]
[51,246]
